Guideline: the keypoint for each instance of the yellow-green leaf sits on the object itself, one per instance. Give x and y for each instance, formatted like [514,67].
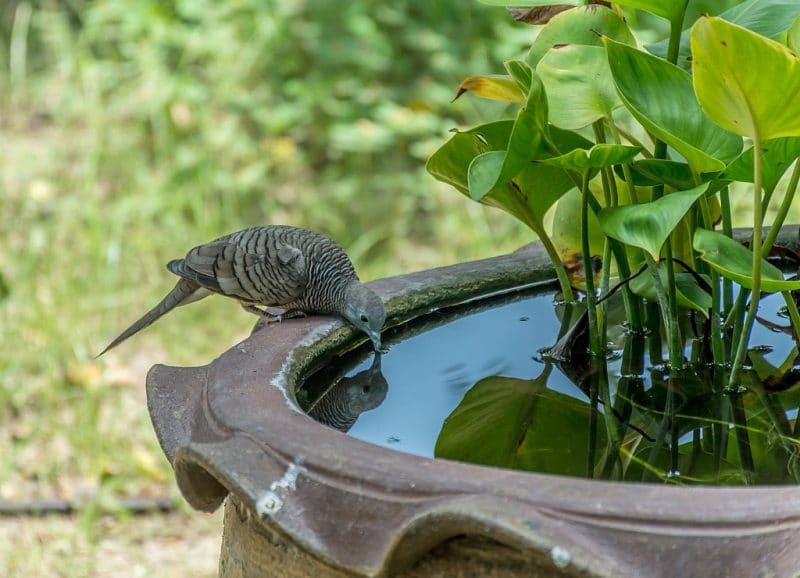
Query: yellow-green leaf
[744,82]
[493,87]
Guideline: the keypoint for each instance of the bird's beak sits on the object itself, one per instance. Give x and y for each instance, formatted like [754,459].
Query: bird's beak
[375,336]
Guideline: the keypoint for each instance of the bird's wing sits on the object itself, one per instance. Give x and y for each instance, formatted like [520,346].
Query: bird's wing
[246,269]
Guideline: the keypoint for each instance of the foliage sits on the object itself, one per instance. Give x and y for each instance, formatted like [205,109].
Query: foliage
[684,131]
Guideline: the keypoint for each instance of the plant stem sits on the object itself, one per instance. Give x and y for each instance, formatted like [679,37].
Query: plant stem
[727,229]
[591,297]
[672,331]
[755,247]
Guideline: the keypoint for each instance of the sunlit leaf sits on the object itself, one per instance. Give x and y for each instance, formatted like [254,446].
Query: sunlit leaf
[517,423]
[688,291]
[495,87]
[647,225]
[746,83]
[661,97]
[768,18]
[582,26]
[734,261]
[793,38]
[672,10]
[579,86]
[777,156]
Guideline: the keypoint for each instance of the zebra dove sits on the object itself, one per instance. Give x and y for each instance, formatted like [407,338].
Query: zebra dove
[296,270]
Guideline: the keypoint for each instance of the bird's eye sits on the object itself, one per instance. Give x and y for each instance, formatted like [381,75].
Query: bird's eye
[364,318]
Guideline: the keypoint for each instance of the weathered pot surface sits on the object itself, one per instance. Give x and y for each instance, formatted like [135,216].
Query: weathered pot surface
[233,427]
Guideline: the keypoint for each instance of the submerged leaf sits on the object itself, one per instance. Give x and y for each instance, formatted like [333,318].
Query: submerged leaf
[517,423]
[734,261]
[648,225]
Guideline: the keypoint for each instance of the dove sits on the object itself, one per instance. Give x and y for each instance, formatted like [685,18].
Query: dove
[278,266]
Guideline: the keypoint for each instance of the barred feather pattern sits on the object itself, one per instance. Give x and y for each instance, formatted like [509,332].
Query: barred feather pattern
[274,265]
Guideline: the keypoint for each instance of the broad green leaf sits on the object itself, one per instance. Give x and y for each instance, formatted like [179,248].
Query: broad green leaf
[579,86]
[734,261]
[768,18]
[689,293]
[538,186]
[599,156]
[582,26]
[517,423]
[746,83]
[651,172]
[661,97]
[672,10]
[777,156]
[793,39]
[450,163]
[647,225]
[494,87]
[488,171]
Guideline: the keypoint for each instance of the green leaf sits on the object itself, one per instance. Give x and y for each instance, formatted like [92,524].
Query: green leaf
[517,423]
[672,10]
[489,170]
[777,156]
[765,17]
[579,86]
[599,156]
[793,38]
[647,225]
[582,26]
[652,172]
[494,87]
[746,83]
[734,261]
[450,163]
[484,173]
[661,97]
[689,293]
[521,73]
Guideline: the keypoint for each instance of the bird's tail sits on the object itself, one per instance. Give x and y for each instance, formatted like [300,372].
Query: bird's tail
[182,293]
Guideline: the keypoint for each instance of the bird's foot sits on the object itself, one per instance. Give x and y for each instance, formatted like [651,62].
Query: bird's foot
[278,318]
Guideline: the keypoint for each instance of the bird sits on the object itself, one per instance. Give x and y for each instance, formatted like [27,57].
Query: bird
[277,266]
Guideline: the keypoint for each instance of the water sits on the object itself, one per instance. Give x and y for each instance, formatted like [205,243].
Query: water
[475,387]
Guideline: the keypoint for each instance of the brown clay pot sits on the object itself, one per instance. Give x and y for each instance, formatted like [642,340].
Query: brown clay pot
[307,500]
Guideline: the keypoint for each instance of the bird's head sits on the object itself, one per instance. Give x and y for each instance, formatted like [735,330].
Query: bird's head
[364,309]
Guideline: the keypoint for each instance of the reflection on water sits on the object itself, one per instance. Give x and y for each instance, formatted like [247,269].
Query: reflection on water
[477,388]
[351,396]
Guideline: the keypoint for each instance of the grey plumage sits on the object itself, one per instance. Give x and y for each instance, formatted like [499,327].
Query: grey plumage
[273,266]
[341,405]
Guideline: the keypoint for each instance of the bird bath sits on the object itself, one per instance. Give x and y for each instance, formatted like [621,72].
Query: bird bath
[305,499]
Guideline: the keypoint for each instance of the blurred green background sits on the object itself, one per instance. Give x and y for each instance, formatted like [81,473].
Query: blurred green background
[133,130]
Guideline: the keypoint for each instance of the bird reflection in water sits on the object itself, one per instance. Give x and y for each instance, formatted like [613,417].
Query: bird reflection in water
[351,396]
